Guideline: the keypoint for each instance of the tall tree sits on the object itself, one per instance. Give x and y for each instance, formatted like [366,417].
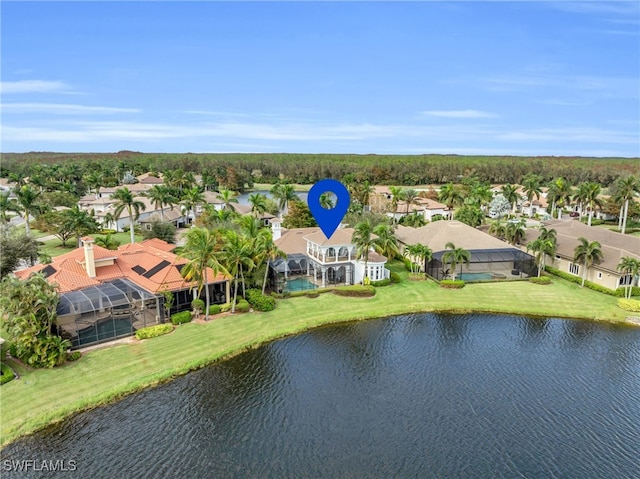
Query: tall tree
[397,194]
[94,180]
[364,240]
[258,204]
[629,266]
[80,222]
[543,245]
[627,188]
[267,251]
[386,242]
[532,187]
[284,193]
[7,205]
[455,256]
[161,196]
[510,193]
[27,199]
[560,193]
[228,198]
[587,253]
[592,198]
[191,199]
[237,252]
[201,250]
[451,196]
[126,201]
[515,231]
[410,197]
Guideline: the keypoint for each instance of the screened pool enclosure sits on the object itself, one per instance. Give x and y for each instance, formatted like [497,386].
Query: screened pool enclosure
[110,310]
[496,263]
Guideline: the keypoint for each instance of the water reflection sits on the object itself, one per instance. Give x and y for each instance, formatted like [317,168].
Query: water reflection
[410,396]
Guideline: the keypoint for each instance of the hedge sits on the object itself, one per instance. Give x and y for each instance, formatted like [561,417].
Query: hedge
[242,306]
[451,284]
[394,277]
[635,291]
[259,301]
[153,331]
[214,309]
[382,282]
[7,373]
[632,305]
[355,291]
[540,280]
[181,317]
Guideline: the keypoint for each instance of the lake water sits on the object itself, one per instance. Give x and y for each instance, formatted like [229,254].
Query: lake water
[422,395]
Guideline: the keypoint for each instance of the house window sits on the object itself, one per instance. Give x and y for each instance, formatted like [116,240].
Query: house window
[626,280]
[574,268]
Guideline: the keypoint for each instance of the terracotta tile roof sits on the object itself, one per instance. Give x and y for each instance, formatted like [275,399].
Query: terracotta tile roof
[149,264]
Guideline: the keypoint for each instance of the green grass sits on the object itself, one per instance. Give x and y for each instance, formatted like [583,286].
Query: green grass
[54,247]
[41,397]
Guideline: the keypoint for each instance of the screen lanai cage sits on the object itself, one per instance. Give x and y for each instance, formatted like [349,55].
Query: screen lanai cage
[110,310]
[485,264]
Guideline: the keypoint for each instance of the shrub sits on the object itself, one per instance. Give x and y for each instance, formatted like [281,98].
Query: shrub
[181,317]
[7,373]
[225,308]
[153,331]
[214,309]
[632,305]
[394,277]
[242,306]
[355,291]
[197,305]
[451,284]
[106,231]
[74,356]
[259,301]
[540,280]
[382,282]
[620,292]
[578,280]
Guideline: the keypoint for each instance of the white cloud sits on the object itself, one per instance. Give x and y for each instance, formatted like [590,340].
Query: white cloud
[33,86]
[459,114]
[581,135]
[62,109]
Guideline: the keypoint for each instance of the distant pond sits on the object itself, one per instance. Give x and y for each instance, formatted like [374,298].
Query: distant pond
[421,395]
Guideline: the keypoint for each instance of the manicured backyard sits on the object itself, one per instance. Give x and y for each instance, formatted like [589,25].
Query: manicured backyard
[41,397]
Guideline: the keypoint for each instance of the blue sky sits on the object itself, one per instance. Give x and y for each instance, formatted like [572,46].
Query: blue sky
[521,78]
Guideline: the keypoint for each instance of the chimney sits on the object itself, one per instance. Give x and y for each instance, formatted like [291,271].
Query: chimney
[89,260]
[276,228]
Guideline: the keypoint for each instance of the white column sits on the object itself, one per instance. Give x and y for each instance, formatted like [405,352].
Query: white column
[324,277]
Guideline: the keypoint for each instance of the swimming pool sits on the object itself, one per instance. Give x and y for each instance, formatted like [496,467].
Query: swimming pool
[474,276]
[298,284]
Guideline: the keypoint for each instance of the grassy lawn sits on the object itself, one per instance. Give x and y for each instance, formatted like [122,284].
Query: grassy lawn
[41,397]
[268,186]
[54,247]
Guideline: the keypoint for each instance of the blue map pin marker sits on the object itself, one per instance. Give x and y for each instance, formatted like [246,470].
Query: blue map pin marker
[328,220]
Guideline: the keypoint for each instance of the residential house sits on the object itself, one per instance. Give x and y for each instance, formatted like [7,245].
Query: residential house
[322,261]
[106,294]
[491,258]
[614,247]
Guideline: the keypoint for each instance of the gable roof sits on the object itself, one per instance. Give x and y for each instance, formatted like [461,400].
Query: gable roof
[438,233]
[149,264]
[293,240]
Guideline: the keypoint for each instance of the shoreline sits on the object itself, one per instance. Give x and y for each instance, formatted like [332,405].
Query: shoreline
[195,345]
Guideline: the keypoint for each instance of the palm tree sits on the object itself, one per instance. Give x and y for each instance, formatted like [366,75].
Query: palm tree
[560,193]
[268,252]
[191,199]
[455,256]
[201,249]
[227,197]
[591,198]
[326,202]
[108,241]
[481,195]
[411,197]
[626,190]
[236,252]
[27,200]
[283,193]
[532,187]
[364,240]
[80,222]
[397,194]
[258,203]
[425,256]
[498,229]
[514,231]
[587,253]
[108,219]
[629,266]
[160,197]
[126,201]
[249,226]
[94,180]
[451,196]
[7,205]
[412,252]
[386,243]
[510,193]
[543,245]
